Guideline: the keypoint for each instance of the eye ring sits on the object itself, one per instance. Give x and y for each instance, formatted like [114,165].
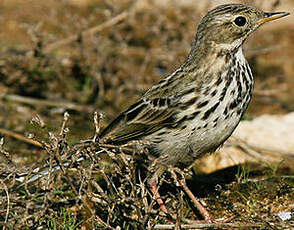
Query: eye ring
[240,21]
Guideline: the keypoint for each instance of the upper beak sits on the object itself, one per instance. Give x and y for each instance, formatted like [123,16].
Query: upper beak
[272,16]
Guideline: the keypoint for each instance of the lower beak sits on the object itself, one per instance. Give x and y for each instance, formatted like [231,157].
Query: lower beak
[272,16]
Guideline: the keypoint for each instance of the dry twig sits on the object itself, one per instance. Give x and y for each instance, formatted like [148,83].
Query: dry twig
[20,137]
[50,103]
[86,33]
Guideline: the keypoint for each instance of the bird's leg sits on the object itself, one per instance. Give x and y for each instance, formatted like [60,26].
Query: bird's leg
[182,182]
[205,214]
[154,190]
[158,169]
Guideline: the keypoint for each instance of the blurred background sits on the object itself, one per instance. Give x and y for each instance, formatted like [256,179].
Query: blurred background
[83,56]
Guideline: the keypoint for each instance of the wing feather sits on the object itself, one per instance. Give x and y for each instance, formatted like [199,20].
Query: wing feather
[157,108]
[143,118]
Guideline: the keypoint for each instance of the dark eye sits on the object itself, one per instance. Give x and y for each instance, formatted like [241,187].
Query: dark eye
[240,21]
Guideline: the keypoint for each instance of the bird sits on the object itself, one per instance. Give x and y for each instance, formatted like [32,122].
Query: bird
[195,109]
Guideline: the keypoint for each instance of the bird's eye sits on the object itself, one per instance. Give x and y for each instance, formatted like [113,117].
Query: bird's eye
[240,21]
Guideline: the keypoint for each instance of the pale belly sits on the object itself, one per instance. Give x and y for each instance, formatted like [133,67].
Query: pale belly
[183,148]
[209,139]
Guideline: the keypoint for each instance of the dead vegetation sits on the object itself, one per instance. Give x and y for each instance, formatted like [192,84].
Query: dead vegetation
[108,190]
[103,56]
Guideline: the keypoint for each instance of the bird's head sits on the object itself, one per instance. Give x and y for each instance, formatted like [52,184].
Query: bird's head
[227,26]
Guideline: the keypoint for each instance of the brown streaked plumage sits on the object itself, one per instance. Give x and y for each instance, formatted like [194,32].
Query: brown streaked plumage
[195,109]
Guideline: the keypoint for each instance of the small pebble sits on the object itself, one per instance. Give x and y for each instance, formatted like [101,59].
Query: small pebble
[285,215]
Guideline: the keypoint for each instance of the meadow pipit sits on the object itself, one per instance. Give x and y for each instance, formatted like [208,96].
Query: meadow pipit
[195,109]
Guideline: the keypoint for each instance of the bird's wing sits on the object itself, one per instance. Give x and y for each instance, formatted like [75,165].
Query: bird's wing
[143,118]
[158,108]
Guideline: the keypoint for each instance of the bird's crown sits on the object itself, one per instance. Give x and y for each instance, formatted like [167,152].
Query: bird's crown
[229,25]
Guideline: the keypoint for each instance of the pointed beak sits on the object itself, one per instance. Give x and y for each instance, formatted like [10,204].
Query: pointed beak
[272,16]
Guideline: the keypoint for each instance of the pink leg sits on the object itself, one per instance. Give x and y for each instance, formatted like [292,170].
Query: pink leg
[207,218]
[199,206]
[154,190]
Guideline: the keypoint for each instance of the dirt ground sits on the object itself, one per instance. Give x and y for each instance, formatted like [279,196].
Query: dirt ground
[95,55]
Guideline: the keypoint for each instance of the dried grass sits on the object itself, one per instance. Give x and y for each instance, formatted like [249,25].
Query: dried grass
[104,190]
[106,71]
